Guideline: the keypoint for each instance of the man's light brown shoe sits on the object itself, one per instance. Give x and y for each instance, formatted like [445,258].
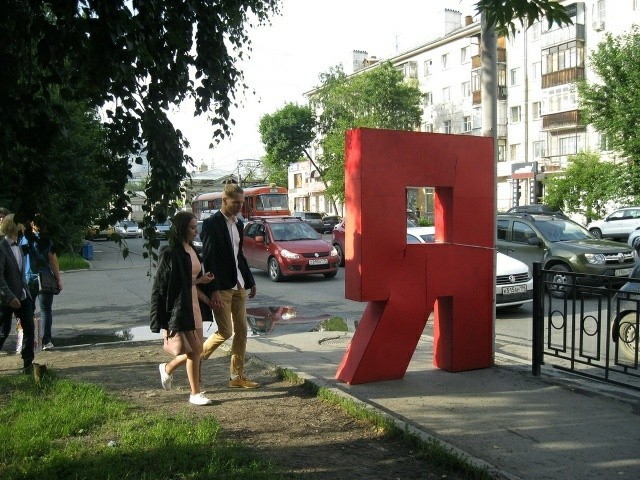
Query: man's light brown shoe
[242,382]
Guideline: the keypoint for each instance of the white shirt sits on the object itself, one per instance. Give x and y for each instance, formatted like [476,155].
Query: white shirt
[235,242]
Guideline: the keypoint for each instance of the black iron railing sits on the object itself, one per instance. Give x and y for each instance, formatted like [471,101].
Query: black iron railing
[586,325]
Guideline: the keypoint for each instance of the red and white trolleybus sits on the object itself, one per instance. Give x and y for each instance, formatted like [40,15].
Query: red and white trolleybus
[258,202]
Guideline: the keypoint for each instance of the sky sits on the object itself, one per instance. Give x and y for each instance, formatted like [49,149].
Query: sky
[306,39]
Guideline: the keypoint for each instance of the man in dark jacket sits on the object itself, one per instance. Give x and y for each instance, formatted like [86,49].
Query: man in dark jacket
[222,235]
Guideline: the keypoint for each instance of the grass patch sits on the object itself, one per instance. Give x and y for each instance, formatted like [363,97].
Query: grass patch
[61,429]
[70,261]
[432,450]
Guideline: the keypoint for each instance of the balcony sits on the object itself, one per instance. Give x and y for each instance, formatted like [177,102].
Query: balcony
[476,61]
[561,120]
[476,95]
[562,77]
[562,35]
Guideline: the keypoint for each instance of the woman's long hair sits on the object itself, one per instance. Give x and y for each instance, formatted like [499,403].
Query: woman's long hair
[179,228]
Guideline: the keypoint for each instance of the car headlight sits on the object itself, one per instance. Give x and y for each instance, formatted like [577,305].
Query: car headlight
[595,258]
[289,255]
[334,252]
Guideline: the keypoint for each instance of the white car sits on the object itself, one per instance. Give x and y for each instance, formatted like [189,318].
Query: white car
[514,283]
[618,224]
[128,229]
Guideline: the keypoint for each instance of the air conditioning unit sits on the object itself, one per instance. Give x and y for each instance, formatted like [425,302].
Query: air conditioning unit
[598,25]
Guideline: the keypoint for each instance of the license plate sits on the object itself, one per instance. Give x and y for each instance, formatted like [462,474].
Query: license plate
[318,261]
[514,289]
[623,272]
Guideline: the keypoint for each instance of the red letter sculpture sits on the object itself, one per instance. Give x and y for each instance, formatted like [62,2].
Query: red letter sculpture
[404,283]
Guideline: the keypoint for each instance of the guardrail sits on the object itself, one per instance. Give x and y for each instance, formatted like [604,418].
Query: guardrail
[587,330]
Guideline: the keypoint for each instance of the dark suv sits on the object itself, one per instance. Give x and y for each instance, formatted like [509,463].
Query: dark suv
[287,246]
[312,218]
[563,246]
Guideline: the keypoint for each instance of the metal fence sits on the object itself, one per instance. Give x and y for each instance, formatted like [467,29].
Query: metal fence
[588,330]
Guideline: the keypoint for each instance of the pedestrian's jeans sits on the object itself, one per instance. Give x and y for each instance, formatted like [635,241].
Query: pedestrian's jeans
[25,314]
[46,301]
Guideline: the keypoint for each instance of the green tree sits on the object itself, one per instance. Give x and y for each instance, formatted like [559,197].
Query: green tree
[136,58]
[379,98]
[504,13]
[612,104]
[287,135]
[586,187]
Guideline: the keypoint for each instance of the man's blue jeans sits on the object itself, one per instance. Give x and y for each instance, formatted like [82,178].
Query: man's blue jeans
[46,301]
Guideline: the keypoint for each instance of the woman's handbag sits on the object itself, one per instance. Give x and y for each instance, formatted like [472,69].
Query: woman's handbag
[175,343]
[47,283]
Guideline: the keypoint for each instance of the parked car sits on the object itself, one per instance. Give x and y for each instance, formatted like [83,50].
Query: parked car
[94,232]
[128,229]
[330,221]
[312,218]
[286,246]
[421,234]
[162,229]
[618,224]
[563,246]
[624,324]
[537,208]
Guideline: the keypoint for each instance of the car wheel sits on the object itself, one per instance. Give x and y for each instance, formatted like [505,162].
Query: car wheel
[596,232]
[330,274]
[559,283]
[274,270]
[627,336]
[340,254]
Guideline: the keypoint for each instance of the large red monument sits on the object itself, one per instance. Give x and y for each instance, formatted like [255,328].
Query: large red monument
[404,283]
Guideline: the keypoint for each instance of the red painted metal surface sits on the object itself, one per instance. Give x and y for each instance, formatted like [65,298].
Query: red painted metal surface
[405,283]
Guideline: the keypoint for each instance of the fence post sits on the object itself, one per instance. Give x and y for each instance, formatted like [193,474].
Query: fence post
[537,335]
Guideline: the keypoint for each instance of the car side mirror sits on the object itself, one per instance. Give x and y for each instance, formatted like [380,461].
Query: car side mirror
[533,241]
[259,239]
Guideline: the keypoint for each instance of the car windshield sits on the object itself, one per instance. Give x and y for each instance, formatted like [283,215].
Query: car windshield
[272,201]
[562,231]
[286,232]
[312,216]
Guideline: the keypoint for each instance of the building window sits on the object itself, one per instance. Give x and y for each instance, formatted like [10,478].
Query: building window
[297,180]
[604,142]
[464,54]
[447,127]
[427,127]
[427,67]
[514,76]
[427,99]
[476,117]
[602,11]
[536,110]
[446,94]
[465,89]
[475,81]
[539,149]
[535,31]
[444,60]
[562,57]
[466,124]
[515,114]
[635,5]
[569,145]
[561,99]
[536,70]
[501,152]
[514,149]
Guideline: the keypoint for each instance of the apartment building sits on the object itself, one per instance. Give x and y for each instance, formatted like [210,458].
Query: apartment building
[539,124]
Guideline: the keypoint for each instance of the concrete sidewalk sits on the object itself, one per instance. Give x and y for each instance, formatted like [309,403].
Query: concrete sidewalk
[521,427]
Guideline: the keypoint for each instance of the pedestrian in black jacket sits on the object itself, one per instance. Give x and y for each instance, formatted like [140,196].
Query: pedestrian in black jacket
[222,235]
[178,305]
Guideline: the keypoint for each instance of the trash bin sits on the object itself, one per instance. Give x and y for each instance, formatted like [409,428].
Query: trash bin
[87,251]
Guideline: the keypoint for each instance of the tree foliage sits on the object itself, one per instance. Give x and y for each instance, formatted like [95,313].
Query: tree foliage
[379,98]
[586,187]
[286,135]
[504,14]
[612,104]
[136,58]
